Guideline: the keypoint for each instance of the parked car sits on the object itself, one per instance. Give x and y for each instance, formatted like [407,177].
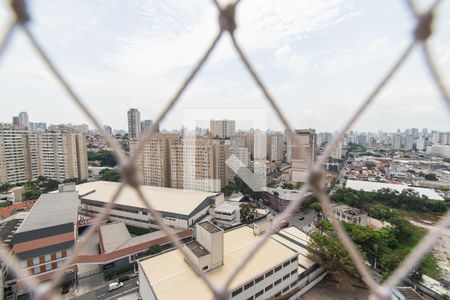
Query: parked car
[65,288]
[114,286]
[137,283]
[284,224]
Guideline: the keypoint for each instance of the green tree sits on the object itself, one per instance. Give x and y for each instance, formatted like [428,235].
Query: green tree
[230,189]
[328,251]
[248,212]
[316,206]
[5,187]
[447,159]
[431,176]
[287,186]
[106,157]
[110,175]
[155,249]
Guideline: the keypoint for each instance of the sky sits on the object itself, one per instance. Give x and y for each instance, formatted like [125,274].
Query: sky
[319,59]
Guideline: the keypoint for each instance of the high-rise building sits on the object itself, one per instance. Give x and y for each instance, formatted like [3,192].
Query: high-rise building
[242,155]
[19,155]
[415,132]
[420,144]
[337,151]
[15,121]
[396,142]
[222,128]
[276,149]
[108,129]
[134,123]
[444,138]
[63,155]
[303,154]
[198,164]
[23,119]
[146,125]
[154,159]
[26,154]
[409,142]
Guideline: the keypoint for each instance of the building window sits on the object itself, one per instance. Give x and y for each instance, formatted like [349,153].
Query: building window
[286,264]
[58,255]
[286,276]
[293,272]
[48,267]
[47,258]
[37,270]
[248,285]
[269,273]
[268,287]
[293,260]
[236,292]
[59,264]
[277,282]
[69,252]
[205,268]
[260,278]
[285,289]
[35,261]
[250,298]
[258,294]
[277,268]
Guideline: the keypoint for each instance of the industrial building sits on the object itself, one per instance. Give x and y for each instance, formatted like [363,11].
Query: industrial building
[369,186]
[179,208]
[280,267]
[46,236]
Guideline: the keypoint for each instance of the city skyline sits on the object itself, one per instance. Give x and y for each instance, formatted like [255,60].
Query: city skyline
[137,63]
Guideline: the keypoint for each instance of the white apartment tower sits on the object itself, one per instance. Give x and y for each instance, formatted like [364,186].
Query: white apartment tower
[276,152]
[303,154]
[134,123]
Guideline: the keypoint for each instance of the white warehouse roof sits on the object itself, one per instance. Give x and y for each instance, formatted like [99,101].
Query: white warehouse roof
[370,186]
[163,199]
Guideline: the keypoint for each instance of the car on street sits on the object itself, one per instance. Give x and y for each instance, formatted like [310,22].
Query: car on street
[114,286]
[124,278]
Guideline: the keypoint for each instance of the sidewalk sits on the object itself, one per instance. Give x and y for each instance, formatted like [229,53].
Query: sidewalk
[86,285]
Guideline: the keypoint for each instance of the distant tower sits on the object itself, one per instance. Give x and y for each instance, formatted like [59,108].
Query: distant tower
[134,123]
[223,129]
[23,119]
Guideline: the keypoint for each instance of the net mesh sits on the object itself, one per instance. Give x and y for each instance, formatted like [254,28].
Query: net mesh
[130,175]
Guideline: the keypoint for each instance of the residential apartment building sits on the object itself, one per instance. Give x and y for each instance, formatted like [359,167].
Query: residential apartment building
[337,151]
[275,152]
[134,123]
[46,236]
[19,154]
[198,164]
[154,159]
[26,154]
[303,154]
[222,128]
[241,154]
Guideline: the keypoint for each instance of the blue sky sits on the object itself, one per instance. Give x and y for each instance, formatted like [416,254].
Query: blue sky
[318,58]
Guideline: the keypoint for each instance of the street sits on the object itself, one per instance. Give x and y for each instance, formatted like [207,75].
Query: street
[102,293]
[308,218]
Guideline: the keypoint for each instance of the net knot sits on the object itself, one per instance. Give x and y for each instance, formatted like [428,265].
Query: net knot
[130,174]
[423,29]
[227,18]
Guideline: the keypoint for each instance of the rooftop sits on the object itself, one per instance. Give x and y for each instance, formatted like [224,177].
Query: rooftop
[369,186]
[172,278]
[115,236]
[51,210]
[163,199]
[210,227]
[197,249]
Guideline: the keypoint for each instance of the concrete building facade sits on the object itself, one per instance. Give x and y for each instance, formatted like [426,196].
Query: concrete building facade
[304,154]
[134,123]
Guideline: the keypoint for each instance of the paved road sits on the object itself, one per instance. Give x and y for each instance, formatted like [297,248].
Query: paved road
[308,218]
[102,293]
